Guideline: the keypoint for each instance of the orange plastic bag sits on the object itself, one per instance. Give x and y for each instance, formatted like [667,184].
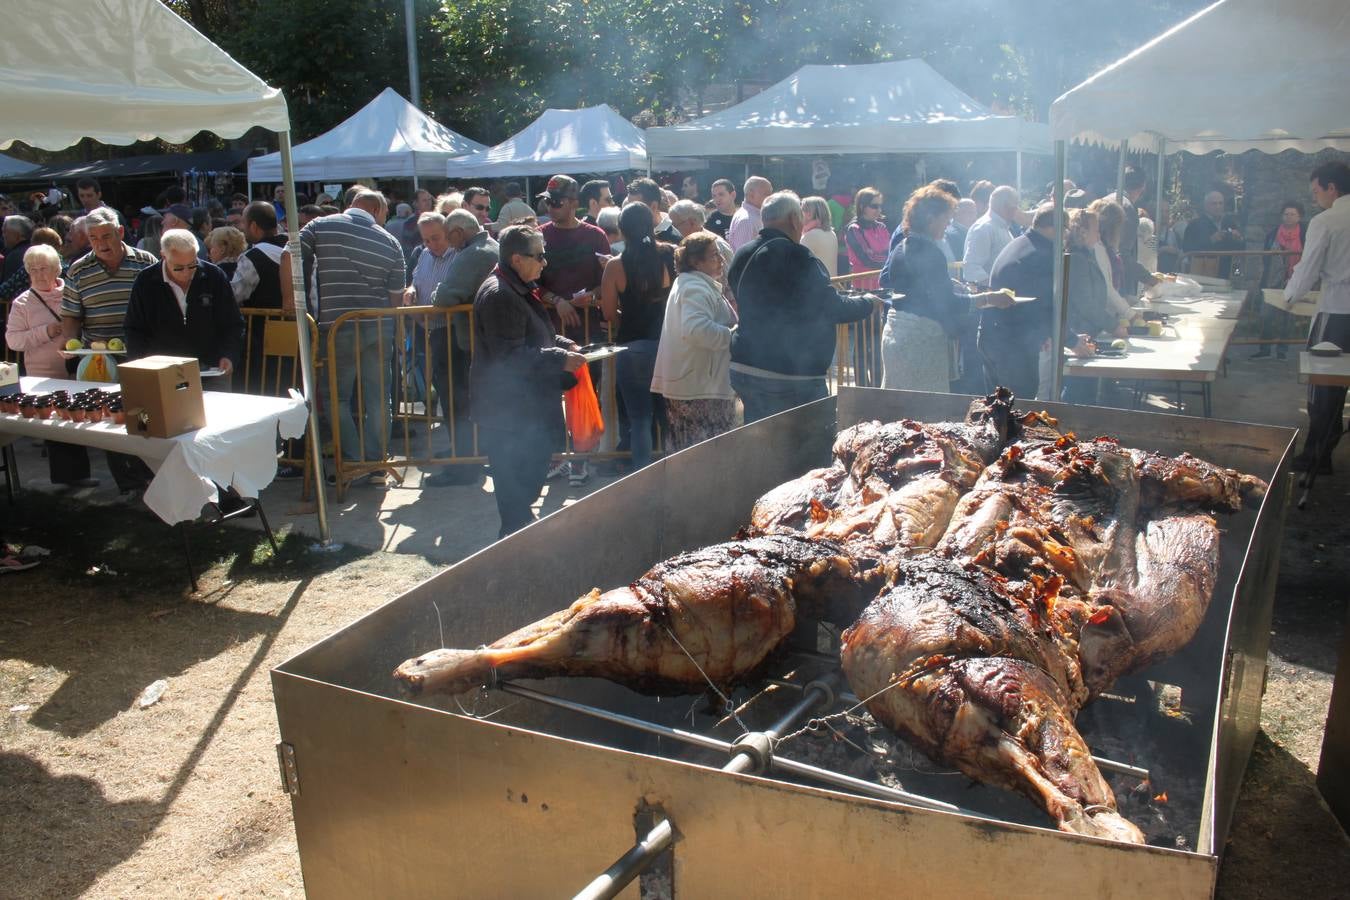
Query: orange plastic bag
[583,413]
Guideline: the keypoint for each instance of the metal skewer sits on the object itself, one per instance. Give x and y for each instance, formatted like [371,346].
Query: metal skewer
[751,752]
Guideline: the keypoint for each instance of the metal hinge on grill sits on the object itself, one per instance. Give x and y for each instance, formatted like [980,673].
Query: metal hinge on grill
[290,775]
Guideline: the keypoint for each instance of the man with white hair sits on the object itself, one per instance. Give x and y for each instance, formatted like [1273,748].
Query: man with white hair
[98,284]
[989,235]
[184,307]
[687,217]
[788,312]
[745,225]
[77,242]
[94,308]
[476,255]
[1214,231]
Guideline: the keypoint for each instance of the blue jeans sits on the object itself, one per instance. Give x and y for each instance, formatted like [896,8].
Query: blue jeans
[376,345]
[633,378]
[764,397]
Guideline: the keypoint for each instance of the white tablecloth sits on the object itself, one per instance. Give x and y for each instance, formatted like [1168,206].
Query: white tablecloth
[1191,348]
[236,448]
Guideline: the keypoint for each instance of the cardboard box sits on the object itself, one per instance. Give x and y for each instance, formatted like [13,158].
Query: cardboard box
[162,396]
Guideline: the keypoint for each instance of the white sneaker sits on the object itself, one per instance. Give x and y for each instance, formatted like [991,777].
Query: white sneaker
[581,473]
[559,469]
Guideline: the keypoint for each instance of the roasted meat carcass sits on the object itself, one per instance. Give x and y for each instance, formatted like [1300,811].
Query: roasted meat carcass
[893,484]
[712,614]
[986,680]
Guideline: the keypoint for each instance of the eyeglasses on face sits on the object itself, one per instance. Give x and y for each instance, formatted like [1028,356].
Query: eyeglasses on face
[537,256]
[554,204]
[483,207]
[874,206]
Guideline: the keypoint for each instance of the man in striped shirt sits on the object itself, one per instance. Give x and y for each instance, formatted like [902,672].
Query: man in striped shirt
[352,263]
[98,284]
[94,307]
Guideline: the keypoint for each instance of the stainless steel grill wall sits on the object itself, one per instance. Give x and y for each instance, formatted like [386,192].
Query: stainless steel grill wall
[412,799]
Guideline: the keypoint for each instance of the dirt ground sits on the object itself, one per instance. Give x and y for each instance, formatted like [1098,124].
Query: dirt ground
[100,797]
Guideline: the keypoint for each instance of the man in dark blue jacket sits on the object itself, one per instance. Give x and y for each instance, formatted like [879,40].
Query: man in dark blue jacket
[1010,339]
[184,307]
[788,311]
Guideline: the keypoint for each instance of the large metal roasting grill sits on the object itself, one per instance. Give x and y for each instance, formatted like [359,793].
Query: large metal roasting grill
[788,768]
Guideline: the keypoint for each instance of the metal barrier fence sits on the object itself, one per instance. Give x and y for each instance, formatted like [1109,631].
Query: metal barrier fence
[271,367]
[404,373]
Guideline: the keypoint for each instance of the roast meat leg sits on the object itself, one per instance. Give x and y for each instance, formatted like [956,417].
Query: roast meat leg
[710,615]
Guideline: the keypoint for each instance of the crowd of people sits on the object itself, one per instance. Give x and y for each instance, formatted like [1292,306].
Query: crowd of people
[714,301]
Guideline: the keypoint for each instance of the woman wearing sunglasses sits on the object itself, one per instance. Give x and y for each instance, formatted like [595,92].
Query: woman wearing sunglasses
[868,239]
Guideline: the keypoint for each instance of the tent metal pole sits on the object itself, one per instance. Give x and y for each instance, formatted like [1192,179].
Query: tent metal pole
[1120,171]
[414,80]
[1060,299]
[302,332]
[1159,226]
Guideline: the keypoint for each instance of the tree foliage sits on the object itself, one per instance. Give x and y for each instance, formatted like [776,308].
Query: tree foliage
[488,67]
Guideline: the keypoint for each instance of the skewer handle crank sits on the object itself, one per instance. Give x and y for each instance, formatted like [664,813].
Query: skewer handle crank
[751,752]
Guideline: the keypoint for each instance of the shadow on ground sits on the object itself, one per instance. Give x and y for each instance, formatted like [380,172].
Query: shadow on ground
[114,567]
[1284,841]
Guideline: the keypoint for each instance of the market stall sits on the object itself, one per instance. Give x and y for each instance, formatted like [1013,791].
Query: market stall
[9,166]
[1195,88]
[386,138]
[595,139]
[156,77]
[903,106]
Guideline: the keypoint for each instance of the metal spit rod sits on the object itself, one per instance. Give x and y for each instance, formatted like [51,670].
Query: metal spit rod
[751,753]
[752,750]
[791,766]
[1106,765]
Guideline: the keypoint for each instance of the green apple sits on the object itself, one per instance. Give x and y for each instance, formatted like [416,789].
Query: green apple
[74,344]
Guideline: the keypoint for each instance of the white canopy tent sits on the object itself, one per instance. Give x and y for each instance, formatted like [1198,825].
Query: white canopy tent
[892,107]
[120,71]
[11,166]
[592,139]
[386,138]
[1239,75]
[1199,87]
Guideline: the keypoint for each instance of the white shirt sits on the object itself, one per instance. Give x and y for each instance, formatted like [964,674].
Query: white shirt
[1326,258]
[745,226]
[246,277]
[984,242]
[179,294]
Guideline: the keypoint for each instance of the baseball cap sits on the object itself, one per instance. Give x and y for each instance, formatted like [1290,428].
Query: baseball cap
[560,187]
[181,210]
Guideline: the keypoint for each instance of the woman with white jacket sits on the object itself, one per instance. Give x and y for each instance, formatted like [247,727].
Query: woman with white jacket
[693,358]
